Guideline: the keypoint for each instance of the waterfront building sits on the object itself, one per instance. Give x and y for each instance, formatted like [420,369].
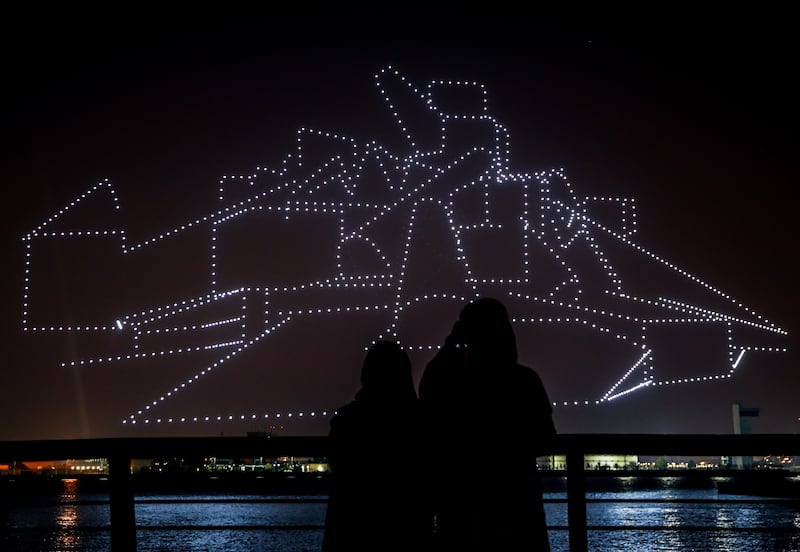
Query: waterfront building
[592,462]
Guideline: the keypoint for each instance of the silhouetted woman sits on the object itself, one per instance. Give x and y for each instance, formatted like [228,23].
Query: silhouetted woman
[489,417]
[377,498]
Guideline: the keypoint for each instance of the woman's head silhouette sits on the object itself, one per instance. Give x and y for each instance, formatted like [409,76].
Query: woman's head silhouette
[487,331]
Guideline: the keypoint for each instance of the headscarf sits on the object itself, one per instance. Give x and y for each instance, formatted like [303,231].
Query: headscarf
[488,332]
[386,373]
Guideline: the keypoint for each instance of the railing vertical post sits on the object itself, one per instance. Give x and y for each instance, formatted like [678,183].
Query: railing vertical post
[123,514]
[576,502]
[5,506]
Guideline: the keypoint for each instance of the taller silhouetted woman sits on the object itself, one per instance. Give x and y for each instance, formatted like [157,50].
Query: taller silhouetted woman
[489,418]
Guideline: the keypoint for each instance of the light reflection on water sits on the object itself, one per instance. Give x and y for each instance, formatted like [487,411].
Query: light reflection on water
[67,523]
[243,514]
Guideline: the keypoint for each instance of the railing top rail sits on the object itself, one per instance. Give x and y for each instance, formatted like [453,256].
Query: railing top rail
[316,446]
[165,447]
[678,444]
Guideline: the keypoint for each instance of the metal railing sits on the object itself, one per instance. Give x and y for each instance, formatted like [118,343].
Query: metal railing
[575,447]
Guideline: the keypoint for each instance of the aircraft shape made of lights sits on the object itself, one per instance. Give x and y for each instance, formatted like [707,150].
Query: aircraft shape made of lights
[383,243]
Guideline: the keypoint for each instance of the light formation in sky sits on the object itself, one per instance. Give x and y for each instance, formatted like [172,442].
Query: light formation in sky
[404,233]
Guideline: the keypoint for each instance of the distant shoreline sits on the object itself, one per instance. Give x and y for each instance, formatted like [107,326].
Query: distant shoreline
[774,482]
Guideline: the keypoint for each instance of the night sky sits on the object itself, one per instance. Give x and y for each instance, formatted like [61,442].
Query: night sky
[694,119]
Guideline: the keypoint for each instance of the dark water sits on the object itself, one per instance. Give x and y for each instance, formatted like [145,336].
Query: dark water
[628,514]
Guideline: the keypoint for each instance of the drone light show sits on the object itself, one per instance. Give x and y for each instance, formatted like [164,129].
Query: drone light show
[258,311]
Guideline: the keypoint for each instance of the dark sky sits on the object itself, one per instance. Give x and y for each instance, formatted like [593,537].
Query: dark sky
[693,117]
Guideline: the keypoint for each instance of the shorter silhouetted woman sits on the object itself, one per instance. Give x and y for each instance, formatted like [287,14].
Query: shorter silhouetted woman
[377,496]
